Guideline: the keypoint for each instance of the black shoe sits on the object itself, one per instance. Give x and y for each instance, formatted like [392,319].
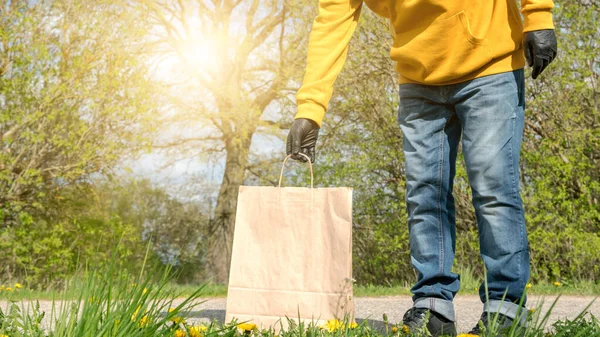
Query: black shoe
[438,325]
[503,324]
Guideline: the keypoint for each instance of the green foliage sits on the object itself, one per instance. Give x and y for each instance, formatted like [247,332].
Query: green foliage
[44,251]
[75,96]
[561,153]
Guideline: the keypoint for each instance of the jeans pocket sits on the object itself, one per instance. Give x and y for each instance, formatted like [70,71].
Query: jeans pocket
[407,107]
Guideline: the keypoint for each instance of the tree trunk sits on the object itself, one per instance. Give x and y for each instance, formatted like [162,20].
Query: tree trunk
[221,225]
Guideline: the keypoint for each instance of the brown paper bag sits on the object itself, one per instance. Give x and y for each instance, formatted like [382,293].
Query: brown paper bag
[292,256]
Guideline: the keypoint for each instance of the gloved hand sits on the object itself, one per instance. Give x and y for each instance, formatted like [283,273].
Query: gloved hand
[540,49]
[302,139]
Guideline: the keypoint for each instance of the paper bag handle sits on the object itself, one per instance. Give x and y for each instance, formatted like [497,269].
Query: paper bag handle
[309,163]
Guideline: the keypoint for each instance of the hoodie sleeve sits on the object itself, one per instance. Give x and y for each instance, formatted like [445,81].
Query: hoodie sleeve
[327,50]
[537,14]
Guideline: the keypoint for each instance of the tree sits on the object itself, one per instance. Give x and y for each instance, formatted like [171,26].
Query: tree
[75,96]
[239,59]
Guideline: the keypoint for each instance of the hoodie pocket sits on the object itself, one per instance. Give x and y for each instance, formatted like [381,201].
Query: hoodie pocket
[444,51]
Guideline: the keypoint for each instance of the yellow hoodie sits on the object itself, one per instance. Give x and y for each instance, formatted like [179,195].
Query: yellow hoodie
[436,42]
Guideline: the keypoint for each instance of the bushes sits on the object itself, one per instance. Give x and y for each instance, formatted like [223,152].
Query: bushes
[565,255]
[90,221]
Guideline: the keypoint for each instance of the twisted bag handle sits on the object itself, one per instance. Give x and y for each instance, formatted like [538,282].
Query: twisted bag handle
[309,163]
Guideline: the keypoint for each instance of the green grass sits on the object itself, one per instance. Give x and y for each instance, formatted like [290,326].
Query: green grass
[469,286]
[114,304]
[582,288]
[118,309]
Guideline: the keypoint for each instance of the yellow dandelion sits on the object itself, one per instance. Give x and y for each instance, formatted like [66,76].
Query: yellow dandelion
[532,310]
[476,288]
[9,289]
[196,331]
[394,329]
[528,285]
[332,325]
[177,319]
[144,321]
[133,317]
[2,287]
[172,309]
[3,335]
[353,325]
[467,335]
[180,333]
[558,284]
[405,328]
[144,291]
[18,285]
[246,326]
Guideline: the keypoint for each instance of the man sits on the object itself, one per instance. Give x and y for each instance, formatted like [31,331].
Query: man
[460,65]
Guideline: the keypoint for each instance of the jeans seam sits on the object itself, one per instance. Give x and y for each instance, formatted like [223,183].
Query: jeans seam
[515,192]
[440,182]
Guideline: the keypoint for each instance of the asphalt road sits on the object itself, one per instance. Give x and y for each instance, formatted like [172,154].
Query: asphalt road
[468,309]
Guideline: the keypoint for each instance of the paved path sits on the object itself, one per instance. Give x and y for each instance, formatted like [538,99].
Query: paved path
[468,309]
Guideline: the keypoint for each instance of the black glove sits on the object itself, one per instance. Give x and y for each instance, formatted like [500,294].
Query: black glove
[540,49]
[302,139]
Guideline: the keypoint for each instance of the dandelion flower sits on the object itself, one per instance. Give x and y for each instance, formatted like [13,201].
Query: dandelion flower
[332,325]
[405,328]
[144,321]
[528,285]
[467,335]
[246,326]
[18,285]
[2,287]
[532,310]
[177,319]
[144,291]
[196,331]
[353,325]
[394,329]
[180,333]
[172,309]
[9,289]
[476,288]
[558,284]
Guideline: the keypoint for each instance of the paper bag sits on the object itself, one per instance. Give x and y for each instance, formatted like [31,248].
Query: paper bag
[291,256]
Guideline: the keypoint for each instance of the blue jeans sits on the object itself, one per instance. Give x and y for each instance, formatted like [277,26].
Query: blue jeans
[488,113]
